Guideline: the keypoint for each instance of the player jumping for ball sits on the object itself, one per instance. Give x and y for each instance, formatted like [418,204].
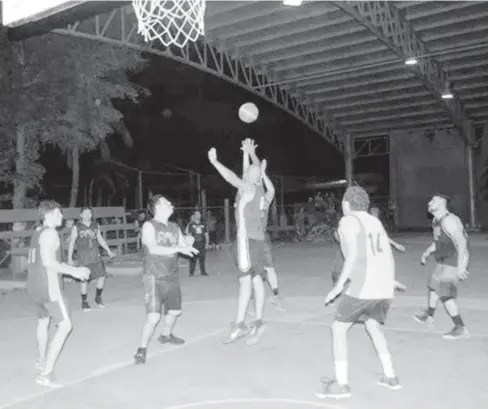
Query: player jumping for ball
[44,287]
[249,152]
[369,273]
[249,247]
[162,241]
[452,257]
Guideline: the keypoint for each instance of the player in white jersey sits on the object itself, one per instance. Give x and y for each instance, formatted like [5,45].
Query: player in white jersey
[368,282]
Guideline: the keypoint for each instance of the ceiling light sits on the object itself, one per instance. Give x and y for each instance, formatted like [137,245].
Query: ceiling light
[447,94]
[411,61]
[294,3]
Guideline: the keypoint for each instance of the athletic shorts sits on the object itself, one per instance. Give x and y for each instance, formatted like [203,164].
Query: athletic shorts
[57,310]
[160,293]
[249,257]
[356,311]
[444,281]
[267,253]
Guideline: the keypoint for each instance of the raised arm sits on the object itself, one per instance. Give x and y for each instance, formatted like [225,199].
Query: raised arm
[249,154]
[227,174]
[270,189]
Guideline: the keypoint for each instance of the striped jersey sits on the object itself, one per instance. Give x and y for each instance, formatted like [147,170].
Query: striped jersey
[373,273]
[43,285]
[249,214]
[446,251]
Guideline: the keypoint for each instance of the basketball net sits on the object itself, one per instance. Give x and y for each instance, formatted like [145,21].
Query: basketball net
[171,22]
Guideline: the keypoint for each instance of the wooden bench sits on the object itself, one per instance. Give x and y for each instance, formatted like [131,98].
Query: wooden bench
[116,235]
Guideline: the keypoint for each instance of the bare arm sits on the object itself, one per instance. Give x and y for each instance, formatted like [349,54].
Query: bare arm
[103,242]
[348,229]
[455,229]
[49,244]
[149,240]
[72,241]
[430,250]
[245,161]
[270,190]
[227,174]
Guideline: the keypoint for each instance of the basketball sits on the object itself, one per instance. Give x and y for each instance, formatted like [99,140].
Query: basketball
[248,112]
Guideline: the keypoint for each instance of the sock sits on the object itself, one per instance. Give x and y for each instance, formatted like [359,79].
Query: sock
[276,292]
[341,372]
[99,292]
[430,311]
[83,297]
[258,323]
[387,366]
[458,321]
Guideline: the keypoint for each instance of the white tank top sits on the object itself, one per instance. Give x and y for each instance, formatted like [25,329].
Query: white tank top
[373,274]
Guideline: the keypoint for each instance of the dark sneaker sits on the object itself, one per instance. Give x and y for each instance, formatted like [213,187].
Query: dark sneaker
[257,330]
[391,383]
[140,356]
[48,380]
[171,339]
[237,332]
[424,319]
[191,274]
[331,389]
[457,332]
[205,274]
[99,302]
[278,302]
[85,306]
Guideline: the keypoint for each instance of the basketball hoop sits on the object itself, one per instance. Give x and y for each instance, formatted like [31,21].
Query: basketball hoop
[171,22]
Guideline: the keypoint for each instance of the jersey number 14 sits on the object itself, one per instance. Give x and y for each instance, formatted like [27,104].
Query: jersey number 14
[375,242]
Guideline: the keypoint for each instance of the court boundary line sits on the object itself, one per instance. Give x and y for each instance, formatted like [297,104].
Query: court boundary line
[315,404]
[110,368]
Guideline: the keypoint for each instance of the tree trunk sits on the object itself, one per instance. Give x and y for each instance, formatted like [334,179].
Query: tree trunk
[20,188]
[90,192]
[75,177]
[99,202]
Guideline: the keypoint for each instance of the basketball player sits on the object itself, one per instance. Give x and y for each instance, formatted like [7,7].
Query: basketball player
[369,270]
[162,241]
[249,247]
[452,256]
[198,230]
[249,152]
[87,238]
[45,270]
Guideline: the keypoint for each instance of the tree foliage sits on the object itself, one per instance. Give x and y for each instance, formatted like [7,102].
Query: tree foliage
[59,90]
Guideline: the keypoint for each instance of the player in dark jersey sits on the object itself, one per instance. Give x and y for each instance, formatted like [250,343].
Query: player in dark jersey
[162,241]
[44,287]
[249,152]
[451,251]
[249,247]
[198,230]
[86,238]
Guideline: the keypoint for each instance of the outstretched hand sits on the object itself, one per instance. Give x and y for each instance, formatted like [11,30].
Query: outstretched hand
[248,146]
[264,164]
[212,155]
[189,251]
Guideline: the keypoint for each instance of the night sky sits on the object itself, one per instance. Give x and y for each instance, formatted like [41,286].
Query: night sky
[204,114]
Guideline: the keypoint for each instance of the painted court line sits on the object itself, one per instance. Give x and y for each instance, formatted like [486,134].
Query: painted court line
[387,327]
[111,368]
[255,401]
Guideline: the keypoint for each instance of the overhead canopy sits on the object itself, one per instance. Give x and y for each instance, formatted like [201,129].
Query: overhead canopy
[344,62]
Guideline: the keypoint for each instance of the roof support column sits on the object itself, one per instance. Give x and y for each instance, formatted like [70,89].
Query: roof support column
[473,220]
[349,156]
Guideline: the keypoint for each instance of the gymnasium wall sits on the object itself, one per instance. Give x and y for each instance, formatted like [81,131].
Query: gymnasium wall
[421,165]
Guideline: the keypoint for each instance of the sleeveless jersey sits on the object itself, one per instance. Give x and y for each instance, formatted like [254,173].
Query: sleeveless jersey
[373,273]
[165,267]
[248,215]
[87,236]
[43,285]
[446,252]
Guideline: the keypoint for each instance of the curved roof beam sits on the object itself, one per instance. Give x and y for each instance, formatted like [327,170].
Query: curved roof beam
[388,24]
[119,27]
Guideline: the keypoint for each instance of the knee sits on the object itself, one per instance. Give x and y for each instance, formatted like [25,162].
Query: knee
[174,313]
[43,323]
[65,325]
[372,326]
[153,318]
